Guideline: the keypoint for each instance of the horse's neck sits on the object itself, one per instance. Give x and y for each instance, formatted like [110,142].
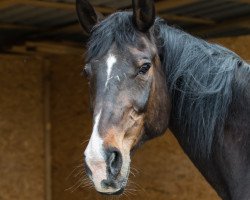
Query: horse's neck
[176,44]
[199,77]
[224,150]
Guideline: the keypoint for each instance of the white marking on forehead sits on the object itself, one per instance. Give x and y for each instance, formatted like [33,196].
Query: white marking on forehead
[110,63]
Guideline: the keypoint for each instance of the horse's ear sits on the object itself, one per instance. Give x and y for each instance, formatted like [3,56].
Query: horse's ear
[143,14]
[87,15]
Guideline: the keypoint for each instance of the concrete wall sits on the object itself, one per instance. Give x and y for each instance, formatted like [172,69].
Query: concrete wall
[21,129]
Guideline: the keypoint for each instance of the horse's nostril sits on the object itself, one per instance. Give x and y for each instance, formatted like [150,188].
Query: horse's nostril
[108,183]
[114,162]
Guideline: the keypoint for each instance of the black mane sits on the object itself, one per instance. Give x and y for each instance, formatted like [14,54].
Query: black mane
[199,75]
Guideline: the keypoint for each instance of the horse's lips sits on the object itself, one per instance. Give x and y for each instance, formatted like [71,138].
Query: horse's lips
[119,192]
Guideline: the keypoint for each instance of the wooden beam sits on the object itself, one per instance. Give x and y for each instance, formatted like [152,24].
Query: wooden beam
[6,3]
[55,5]
[16,26]
[47,48]
[54,48]
[220,27]
[243,1]
[74,28]
[104,10]
[170,4]
[186,19]
[47,128]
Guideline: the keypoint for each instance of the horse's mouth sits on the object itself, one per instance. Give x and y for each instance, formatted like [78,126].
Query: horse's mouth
[118,192]
[109,172]
[111,185]
[115,187]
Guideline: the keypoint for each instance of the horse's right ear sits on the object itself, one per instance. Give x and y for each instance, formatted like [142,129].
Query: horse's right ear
[86,15]
[143,14]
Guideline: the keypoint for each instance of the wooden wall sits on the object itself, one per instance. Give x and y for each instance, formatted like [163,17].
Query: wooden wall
[164,170]
[240,45]
[21,129]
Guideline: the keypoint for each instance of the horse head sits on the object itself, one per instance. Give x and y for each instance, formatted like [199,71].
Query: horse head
[129,96]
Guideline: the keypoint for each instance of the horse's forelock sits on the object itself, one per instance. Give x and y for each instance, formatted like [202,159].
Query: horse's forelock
[116,29]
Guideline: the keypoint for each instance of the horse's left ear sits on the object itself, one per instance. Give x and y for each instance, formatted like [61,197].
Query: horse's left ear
[143,14]
[87,15]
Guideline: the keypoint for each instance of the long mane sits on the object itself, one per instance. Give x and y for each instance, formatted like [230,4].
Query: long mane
[199,75]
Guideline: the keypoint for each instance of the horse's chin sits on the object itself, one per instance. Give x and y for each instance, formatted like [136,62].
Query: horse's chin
[117,184]
[119,188]
[118,192]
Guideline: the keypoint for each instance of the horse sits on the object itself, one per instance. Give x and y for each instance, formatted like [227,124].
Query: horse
[145,77]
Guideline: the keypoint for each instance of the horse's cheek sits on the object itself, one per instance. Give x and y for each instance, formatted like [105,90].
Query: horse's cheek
[159,105]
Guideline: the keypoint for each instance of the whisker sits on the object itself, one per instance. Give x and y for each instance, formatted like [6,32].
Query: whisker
[132,173]
[136,185]
[131,193]
[84,142]
[73,171]
[134,170]
[72,188]
[79,173]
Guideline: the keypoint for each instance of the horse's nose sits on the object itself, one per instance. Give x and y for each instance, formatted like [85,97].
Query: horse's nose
[114,162]
[87,169]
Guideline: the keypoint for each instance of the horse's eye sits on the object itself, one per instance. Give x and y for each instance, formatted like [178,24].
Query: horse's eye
[144,68]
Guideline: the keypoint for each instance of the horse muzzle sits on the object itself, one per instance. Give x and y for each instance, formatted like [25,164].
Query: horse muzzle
[106,174]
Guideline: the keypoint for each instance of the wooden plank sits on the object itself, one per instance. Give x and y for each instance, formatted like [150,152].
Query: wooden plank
[47,128]
[16,26]
[47,47]
[6,3]
[185,19]
[74,28]
[55,5]
[243,1]
[167,5]
[20,49]
[104,10]
[229,24]
[54,48]
[71,29]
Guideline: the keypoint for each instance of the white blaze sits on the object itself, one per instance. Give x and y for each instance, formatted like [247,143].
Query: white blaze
[95,158]
[110,63]
[94,148]
[94,154]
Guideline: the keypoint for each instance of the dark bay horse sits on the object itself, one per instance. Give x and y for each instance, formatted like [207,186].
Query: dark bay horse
[145,77]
